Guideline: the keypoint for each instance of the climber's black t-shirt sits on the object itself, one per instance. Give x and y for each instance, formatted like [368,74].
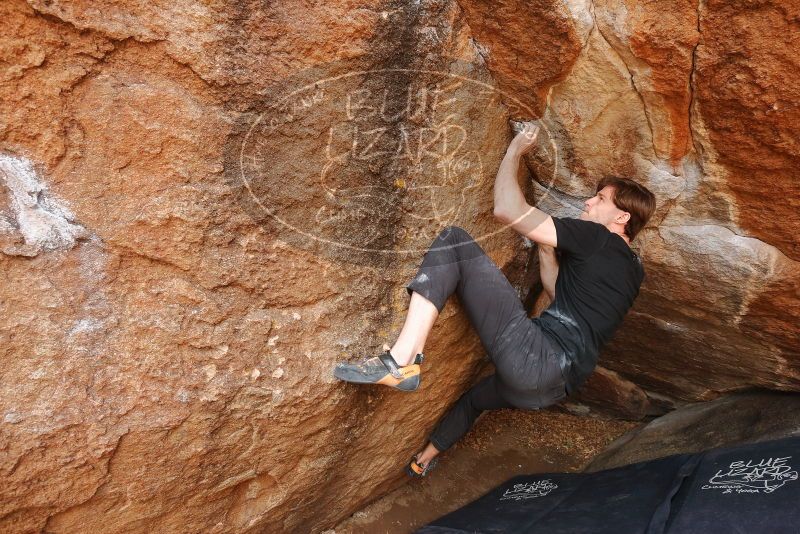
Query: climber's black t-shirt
[598,279]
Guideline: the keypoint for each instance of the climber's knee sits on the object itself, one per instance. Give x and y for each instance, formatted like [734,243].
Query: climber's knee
[455,233]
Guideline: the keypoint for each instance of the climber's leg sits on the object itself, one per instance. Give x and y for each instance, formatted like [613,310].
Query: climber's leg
[528,364]
[453,263]
[420,317]
[456,263]
[483,396]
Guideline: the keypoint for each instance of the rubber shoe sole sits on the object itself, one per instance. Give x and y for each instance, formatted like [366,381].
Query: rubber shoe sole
[357,374]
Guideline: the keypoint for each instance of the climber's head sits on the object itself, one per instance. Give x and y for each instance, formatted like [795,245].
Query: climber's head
[621,205]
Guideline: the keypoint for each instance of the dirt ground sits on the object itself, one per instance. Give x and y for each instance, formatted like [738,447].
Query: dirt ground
[502,444]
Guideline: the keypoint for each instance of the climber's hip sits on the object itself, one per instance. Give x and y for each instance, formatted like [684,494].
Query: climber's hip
[529,366]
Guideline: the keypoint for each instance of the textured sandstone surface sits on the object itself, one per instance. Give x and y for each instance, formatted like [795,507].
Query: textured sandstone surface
[203,205]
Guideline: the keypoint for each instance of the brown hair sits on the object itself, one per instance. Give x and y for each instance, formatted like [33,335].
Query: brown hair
[632,197]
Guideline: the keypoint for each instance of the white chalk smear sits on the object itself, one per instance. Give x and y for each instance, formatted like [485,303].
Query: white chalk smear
[43,222]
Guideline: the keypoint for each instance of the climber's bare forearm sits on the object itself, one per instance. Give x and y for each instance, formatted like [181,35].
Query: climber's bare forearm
[510,206]
[508,197]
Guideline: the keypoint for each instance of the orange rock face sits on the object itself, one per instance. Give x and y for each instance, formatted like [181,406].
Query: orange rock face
[167,348]
[656,39]
[747,95]
[203,206]
[527,47]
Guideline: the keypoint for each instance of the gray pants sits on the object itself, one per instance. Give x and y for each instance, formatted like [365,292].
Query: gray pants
[527,363]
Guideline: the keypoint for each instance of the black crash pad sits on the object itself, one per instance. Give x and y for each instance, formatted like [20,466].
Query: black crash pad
[747,488]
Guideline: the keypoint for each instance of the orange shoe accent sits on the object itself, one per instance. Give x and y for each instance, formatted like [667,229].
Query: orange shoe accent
[418,469]
[408,371]
[415,470]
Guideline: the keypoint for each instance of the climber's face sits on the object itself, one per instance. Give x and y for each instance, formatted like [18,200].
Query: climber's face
[601,209]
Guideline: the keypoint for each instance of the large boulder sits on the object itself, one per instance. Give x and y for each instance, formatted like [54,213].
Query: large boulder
[167,339]
[736,419]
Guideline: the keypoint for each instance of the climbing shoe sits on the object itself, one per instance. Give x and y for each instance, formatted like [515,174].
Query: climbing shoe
[415,470]
[383,370]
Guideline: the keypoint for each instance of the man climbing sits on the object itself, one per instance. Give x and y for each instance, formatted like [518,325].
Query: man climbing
[587,268]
